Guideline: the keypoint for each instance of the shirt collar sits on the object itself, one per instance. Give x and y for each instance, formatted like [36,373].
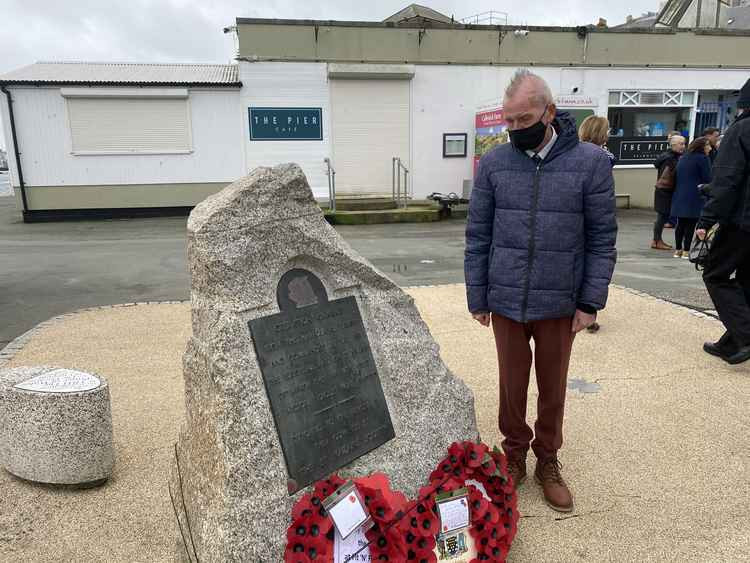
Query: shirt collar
[548,147]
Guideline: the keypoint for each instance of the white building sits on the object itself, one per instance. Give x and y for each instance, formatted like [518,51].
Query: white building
[155,138]
[100,138]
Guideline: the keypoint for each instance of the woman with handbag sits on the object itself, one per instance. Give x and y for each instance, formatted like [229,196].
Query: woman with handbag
[693,169]
[666,165]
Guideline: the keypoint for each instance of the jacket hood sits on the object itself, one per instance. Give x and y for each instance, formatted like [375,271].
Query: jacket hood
[567,133]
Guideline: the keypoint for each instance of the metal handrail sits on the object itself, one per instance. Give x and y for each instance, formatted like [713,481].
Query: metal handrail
[396,168]
[331,173]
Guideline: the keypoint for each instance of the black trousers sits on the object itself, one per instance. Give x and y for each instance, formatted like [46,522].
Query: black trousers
[727,278]
[684,232]
[661,220]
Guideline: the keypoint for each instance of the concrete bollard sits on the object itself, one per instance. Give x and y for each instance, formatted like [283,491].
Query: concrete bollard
[55,426]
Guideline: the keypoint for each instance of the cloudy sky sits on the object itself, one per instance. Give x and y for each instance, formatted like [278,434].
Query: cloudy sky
[191,30]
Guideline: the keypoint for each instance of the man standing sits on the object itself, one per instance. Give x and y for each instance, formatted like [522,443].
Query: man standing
[727,273]
[712,134]
[540,252]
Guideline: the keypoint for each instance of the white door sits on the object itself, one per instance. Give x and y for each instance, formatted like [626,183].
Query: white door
[370,125]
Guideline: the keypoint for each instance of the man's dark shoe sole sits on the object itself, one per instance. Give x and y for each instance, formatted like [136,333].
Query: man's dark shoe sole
[713,349]
[742,355]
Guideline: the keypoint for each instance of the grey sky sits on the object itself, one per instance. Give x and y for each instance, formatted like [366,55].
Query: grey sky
[191,31]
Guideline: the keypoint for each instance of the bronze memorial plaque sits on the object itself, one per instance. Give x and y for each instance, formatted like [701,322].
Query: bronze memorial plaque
[320,378]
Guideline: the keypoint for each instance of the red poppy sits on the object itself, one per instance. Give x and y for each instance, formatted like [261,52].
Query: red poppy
[389,543]
[510,530]
[303,507]
[489,466]
[498,552]
[379,508]
[475,453]
[425,556]
[318,549]
[457,454]
[291,555]
[477,504]
[492,516]
[485,541]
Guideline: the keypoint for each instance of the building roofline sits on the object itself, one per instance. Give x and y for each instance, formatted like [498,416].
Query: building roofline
[478,27]
[141,84]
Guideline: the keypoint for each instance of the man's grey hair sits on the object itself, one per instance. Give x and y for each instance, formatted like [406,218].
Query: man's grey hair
[542,95]
[675,139]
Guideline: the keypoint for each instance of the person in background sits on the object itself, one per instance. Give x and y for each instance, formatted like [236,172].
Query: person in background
[672,220]
[666,165]
[727,273]
[713,135]
[595,130]
[693,169]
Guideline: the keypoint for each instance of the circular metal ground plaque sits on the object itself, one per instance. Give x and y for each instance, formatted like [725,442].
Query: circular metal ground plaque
[61,381]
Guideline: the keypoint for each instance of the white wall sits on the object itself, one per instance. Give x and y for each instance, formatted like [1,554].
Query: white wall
[5,122]
[268,84]
[44,138]
[445,99]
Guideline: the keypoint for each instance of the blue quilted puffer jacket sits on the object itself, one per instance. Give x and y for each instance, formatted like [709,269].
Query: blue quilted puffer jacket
[540,239]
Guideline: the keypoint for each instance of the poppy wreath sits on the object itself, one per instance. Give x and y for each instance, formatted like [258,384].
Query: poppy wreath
[494,522]
[310,537]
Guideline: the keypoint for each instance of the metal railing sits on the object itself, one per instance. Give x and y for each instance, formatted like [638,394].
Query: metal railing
[397,169]
[331,173]
[492,17]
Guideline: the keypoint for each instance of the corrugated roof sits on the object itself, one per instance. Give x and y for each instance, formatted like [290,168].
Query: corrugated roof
[123,73]
[415,11]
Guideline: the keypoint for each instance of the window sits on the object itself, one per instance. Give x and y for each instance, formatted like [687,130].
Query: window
[454,145]
[651,98]
[104,124]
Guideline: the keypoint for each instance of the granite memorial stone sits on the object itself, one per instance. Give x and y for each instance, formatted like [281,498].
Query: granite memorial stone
[303,360]
[55,426]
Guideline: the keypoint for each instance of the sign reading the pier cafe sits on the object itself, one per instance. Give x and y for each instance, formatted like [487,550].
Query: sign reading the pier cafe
[286,124]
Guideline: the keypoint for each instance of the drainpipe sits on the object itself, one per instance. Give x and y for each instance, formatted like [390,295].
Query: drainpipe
[4,90]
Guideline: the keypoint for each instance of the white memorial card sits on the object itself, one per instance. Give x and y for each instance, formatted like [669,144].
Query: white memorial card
[348,550]
[347,512]
[454,514]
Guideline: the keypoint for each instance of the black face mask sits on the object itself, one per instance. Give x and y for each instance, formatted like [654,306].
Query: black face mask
[531,137]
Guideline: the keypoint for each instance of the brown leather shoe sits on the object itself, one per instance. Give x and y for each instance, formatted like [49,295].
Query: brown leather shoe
[660,245]
[556,493]
[517,471]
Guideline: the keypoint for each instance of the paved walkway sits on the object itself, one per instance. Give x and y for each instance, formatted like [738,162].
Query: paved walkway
[657,455]
[48,269]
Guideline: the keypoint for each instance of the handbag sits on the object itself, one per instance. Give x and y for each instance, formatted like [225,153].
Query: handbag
[666,179]
[700,249]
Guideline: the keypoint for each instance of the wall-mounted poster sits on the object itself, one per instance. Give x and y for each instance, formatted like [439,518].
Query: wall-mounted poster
[491,130]
[286,124]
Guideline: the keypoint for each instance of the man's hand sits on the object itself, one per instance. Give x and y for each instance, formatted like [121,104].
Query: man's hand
[582,320]
[701,234]
[482,318]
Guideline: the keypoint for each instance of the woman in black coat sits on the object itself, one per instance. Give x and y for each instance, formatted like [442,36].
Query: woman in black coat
[693,169]
[666,165]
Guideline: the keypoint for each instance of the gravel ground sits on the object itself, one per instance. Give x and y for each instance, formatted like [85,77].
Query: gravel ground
[657,457]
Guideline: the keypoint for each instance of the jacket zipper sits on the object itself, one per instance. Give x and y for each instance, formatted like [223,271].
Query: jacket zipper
[532,241]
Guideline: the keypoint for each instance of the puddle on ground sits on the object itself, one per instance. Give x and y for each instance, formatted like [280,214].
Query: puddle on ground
[583,386]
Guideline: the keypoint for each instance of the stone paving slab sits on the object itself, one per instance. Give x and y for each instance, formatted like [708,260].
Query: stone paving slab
[657,456]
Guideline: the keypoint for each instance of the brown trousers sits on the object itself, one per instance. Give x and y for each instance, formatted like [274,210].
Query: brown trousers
[553,341]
